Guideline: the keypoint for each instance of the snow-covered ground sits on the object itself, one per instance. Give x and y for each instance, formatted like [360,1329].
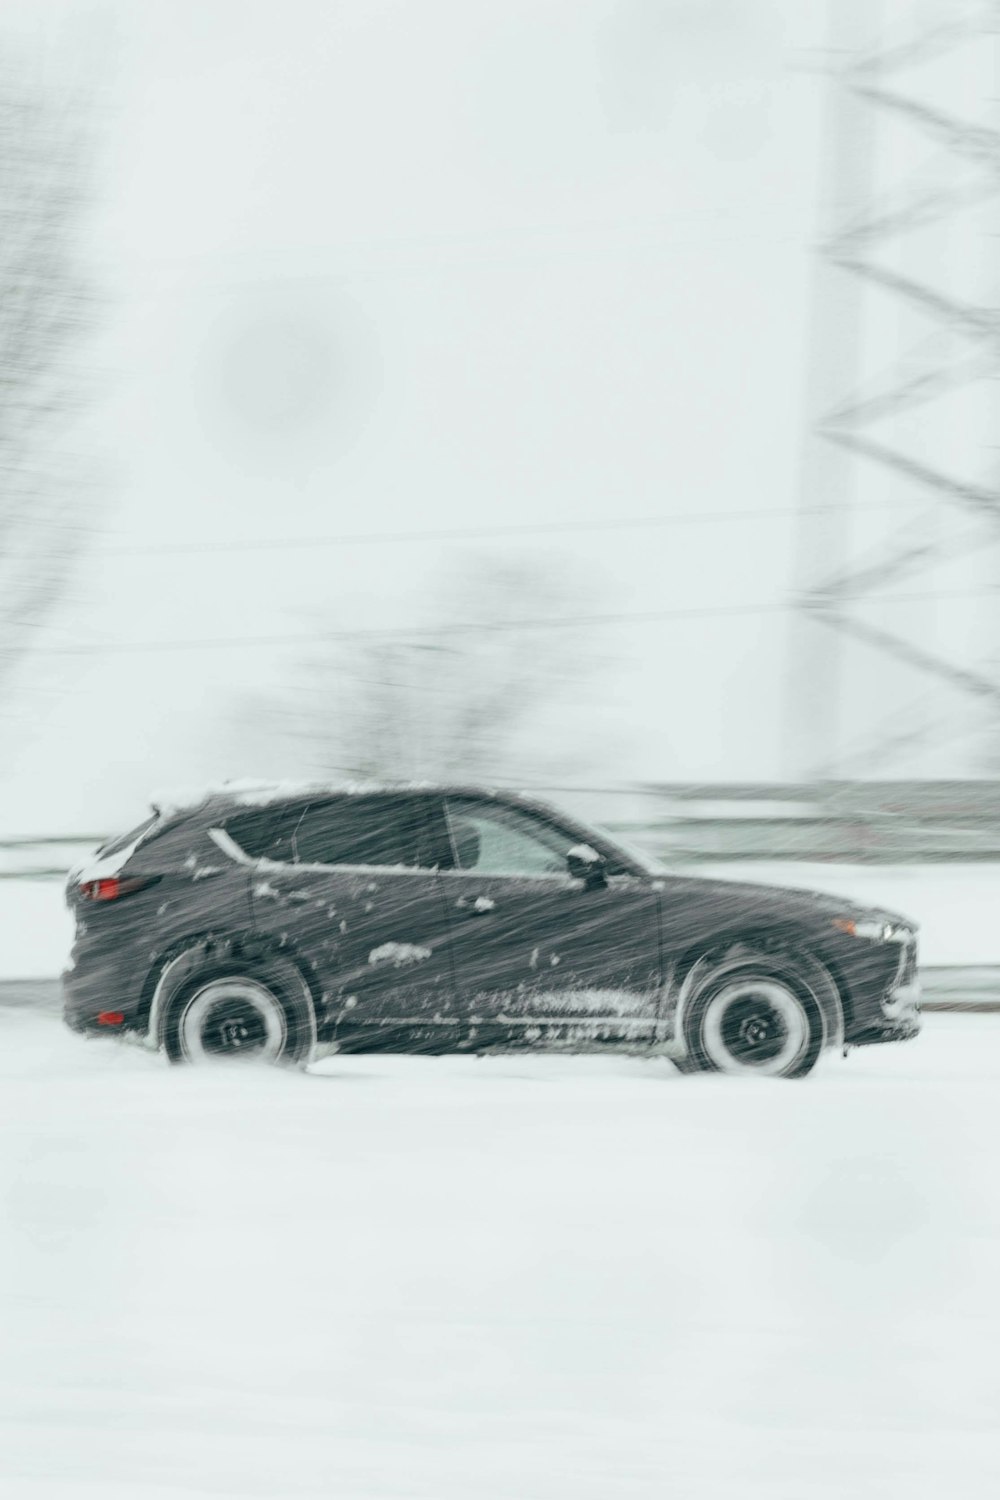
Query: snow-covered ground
[510,1279]
[955,904]
[36,930]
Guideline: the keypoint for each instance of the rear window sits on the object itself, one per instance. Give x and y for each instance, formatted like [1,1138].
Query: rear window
[388,831]
[134,836]
[355,830]
[266,832]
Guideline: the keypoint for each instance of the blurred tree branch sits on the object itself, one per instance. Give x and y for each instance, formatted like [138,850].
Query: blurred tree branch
[47,305]
[477,695]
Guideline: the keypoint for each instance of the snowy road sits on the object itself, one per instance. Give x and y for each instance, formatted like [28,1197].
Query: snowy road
[510,1279]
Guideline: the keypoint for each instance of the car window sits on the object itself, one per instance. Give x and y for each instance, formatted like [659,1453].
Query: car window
[493,839]
[266,832]
[364,831]
[134,836]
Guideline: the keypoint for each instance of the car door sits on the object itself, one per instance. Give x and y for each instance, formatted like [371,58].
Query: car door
[359,899]
[540,958]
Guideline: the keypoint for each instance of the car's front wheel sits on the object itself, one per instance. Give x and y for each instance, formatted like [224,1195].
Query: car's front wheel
[753,1020]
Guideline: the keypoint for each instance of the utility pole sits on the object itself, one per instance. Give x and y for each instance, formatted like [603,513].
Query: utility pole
[889,673]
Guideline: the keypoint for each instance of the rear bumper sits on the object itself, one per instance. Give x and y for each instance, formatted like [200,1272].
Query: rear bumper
[95,991]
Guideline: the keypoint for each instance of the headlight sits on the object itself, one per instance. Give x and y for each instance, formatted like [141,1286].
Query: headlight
[874,929]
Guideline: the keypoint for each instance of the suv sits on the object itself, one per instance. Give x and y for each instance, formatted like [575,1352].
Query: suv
[288,924]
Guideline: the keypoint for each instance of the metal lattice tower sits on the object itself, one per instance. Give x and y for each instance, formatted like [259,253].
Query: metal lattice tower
[895,664]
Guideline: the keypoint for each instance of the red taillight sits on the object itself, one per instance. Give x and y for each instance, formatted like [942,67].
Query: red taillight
[110,1017]
[113,889]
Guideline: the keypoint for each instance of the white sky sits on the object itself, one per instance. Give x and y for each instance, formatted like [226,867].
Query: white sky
[384,266]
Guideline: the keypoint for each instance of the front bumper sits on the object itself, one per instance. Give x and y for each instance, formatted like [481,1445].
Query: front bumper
[902,1031]
[898,1017]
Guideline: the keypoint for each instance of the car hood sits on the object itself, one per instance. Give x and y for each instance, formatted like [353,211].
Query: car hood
[782,900]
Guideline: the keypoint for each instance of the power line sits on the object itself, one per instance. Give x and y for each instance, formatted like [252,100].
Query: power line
[407,253]
[311,638]
[473,627]
[468,533]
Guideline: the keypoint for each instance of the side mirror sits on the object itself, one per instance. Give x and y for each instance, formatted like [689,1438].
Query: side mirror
[584,863]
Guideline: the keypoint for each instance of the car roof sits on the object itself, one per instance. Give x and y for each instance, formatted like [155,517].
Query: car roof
[231,797]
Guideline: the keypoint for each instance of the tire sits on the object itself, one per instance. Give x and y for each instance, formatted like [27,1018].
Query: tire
[236,1011]
[753,1019]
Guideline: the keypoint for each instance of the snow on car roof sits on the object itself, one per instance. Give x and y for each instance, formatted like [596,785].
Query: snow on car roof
[250,793]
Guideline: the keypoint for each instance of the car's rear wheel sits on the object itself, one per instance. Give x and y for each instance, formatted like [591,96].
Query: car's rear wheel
[240,1013]
[232,1018]
[752,1020]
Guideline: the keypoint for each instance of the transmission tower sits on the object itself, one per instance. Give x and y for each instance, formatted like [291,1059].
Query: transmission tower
[895,665]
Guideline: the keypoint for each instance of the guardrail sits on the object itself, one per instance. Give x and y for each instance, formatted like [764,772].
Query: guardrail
[851,822]
[969,990]
[837,822]
[44,858]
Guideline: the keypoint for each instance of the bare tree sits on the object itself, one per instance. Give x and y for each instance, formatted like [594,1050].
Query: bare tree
[47,303]
[481,689]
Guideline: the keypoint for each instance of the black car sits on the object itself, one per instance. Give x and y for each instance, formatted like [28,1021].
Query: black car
[286,924]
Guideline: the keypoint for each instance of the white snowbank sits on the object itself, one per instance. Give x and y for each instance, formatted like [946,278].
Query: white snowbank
[450,1279]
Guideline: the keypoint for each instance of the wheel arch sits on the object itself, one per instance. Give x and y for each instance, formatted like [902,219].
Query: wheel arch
[184,956]
[789,949]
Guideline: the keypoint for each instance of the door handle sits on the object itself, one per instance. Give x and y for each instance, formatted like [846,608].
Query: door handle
[477,907]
